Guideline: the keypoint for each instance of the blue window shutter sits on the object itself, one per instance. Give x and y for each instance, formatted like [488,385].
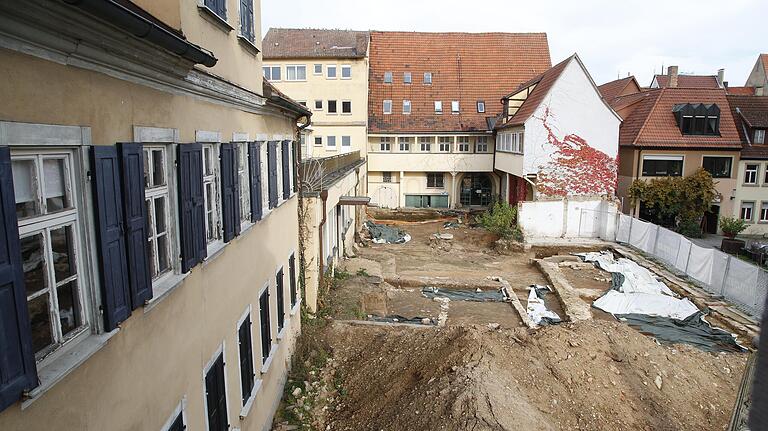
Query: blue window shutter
[135,212]
[230,192]
[216,397]
[285,158]
[265,326]
[272,170]
[254,168]
[293,167]
[17,360]
[191,205]
[280,291]
[292,281]
[115,290]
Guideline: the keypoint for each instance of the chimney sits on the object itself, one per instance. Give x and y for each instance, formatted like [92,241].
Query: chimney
[721,77]
[672,73]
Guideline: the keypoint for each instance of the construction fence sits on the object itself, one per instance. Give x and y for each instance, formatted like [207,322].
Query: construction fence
[741,283]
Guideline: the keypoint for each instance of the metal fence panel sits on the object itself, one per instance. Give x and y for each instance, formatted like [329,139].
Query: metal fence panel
[742,284]
[667,245]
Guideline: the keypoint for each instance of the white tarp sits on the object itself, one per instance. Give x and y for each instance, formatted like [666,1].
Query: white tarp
[536,308]
[640,292]
[667,245]
[700,264]
[681,262]
[622,234]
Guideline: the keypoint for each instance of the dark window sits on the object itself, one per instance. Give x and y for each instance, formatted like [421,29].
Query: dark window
[247,375]
[292,281]
[662,167]
[332,107]
[435,180]
[346,107]
[318,140]
[280,290]
[386,177]
[264,325]
[318,104]
[246,19]
[178,423]
[718,167]
[216,396]
[218,7]
[697,118]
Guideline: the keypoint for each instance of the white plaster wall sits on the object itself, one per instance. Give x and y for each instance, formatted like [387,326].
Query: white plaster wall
[568,218]
[541,219]
[510,163]
[575,107]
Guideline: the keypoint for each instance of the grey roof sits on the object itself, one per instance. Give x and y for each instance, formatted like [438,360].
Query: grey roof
[314,43]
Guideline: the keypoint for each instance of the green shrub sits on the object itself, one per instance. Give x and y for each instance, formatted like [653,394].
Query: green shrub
[501,219]
[689,228]
[732,226]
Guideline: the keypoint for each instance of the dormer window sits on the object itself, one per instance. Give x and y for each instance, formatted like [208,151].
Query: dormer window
[697,118]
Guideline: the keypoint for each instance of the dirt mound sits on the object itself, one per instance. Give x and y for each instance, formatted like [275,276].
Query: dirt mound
[592,375]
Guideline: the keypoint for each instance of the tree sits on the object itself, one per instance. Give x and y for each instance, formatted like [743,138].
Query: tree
[678,202]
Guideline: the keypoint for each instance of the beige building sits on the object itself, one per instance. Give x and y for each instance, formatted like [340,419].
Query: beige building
[327,71]
[434,99]
[148,285]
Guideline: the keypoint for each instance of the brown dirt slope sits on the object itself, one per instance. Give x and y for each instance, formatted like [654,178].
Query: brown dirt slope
[592,375]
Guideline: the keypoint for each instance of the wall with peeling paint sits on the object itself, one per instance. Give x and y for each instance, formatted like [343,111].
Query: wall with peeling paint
[572,140]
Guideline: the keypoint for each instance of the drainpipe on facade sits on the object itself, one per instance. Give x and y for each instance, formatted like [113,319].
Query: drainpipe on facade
[321,258]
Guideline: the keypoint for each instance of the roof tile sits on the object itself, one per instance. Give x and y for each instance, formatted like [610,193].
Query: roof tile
[314,43]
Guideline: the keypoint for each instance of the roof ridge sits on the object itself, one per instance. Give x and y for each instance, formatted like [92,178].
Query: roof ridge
[650,112]
[461,32]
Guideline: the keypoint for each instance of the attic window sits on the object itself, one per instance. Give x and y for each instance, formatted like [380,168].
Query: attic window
[387,77]
[480,106]
[697,118]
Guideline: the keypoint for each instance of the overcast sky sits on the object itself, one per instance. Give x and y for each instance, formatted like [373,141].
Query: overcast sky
[613,38]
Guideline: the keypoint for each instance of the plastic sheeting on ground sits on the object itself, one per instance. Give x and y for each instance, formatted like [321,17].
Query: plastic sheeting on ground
[636,279]
[396,318]
[694,330]
[383,234]
[496,295]
[537,310]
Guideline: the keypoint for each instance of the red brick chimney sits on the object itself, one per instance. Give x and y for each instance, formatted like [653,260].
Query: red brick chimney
[672,73]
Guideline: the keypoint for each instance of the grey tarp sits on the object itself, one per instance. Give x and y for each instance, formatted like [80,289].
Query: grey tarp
[495,295]
[382,234]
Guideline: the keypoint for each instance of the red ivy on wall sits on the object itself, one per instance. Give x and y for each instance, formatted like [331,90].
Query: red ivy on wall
[576,168]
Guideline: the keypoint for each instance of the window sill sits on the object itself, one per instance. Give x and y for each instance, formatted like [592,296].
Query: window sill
[163,288]
[268,362]
[295,308]
[214,250]
[245,227]
[248,45]
[58,369]
[214,18]
[281,333]
[248,404]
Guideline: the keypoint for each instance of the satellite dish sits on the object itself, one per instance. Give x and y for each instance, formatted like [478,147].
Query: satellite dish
[314,176]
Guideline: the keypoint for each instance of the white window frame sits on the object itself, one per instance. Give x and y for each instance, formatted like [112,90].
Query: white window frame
[385,144]
[763,216]
[43,224]
[751,209]
[387,107]
[295,68]
[181,409]
[387,77]
[406,107]
[427,78]
[455,107]
[271,70]
[759,137]
[481,145]
[243,174]
[348,139]
[348,68]
[425,144]
[481,106]
[314,142]
[328,69]
[328,140]
[754,174]
[321,105]
[462,145]
[263,362]
[151,194]
[214,179]
[404,144]
[350,107]
[436,175]
[328,107]
[407,78]
[221,350]
[438,107]
[444,144]
[315,67]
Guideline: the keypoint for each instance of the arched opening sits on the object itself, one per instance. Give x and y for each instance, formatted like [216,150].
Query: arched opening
[476,189]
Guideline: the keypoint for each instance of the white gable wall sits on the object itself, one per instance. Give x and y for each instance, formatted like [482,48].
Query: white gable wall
[575,108]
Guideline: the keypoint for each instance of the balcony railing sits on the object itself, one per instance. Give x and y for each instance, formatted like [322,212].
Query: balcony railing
[322,172]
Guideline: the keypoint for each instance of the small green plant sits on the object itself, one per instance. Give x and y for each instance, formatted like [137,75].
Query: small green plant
[501,219]
[341,274]
[362,272]
[732,226]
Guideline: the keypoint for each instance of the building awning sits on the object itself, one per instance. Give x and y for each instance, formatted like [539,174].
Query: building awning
[354,200]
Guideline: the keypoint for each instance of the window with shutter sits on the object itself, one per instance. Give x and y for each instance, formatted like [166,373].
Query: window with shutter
[158,203]
[272,171]
[294,173]
[230,192]
[115,288]
[191,205]
[216,396]
[285,158]
[265,329]
[292,281]
[178,423]
[246,19]
[134,208]
[244,181]
[218,7]
[17,360]
[254,166]
[280,294]
[247,376]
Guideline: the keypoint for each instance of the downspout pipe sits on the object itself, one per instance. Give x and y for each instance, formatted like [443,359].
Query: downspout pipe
[132,21]
[321,258]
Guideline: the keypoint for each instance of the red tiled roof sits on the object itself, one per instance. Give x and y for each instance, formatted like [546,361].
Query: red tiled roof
[466,67]
[271,92]
[764,60]
[314,43]
[689,81]
[748,112]
[742,91]
[653,124]
[613,89]
[543,83]
[621,102]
